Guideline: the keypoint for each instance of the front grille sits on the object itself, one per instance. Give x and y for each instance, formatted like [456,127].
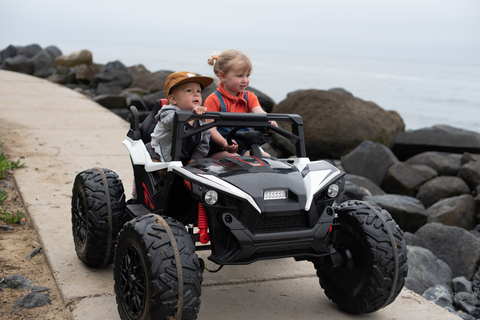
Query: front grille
[282,223]
[283,253]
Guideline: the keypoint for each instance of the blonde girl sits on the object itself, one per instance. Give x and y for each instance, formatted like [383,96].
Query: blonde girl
[233,68]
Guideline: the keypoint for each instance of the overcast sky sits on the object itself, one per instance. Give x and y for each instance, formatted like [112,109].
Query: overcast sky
[445,31]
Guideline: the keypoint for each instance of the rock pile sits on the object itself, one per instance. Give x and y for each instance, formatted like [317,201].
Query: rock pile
[344,120]
[435,198]
[35,298]
[31,59]
[113,85]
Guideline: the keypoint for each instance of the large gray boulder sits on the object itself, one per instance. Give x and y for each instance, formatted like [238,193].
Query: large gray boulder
[468,157]
[28,51]
[352,192]
[8,52]
[410,238]
[133,99]
[284,147]
[151,82]
[470,173]
[403,178]
[440,188]
[44,62]
[440,295]
[456,246]
[370,160]
[461,284]
[408,212]
[336,123]
[111,101]
[365,183]
[437,138]
[466,306]
[425,270]
[113,78]
[19,63]
[455,211]
[138,71]
[446,164]
[476,231]
[54,51]
[150,99]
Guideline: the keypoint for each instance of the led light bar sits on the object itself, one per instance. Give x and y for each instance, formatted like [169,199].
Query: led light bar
[275,194]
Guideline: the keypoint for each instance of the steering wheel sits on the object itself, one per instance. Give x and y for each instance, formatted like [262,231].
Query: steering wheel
[233,134]
[252,139]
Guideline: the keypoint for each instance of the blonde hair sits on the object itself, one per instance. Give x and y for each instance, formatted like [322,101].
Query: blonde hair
[225,60]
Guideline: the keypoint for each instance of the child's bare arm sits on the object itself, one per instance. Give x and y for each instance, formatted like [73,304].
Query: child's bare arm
[259,109]
[221,141]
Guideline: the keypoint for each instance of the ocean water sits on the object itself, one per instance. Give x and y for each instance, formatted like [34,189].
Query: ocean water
[424,94]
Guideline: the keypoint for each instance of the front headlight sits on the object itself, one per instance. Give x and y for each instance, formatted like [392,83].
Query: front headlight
[211,197]
[332,191]
[275,194]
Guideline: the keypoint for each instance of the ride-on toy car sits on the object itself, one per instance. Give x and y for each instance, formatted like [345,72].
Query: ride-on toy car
[241,209]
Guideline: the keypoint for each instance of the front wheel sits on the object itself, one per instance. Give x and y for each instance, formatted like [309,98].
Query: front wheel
[98,214]
[157,273]
[374,260]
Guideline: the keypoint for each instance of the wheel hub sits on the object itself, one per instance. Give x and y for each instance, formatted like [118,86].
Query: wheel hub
[80,219]
[133,282]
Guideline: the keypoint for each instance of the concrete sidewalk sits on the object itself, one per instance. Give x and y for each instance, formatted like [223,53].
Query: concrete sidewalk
[59,132]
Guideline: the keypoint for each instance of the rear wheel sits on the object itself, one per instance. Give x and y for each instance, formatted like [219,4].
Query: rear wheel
[369,270]
[98,214]
[155,261]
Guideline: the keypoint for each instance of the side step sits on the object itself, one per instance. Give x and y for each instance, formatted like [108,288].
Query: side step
[137,210]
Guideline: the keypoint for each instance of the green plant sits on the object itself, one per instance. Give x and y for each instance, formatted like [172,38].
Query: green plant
[6,164]
[3,166]
[9,217]
[3,197]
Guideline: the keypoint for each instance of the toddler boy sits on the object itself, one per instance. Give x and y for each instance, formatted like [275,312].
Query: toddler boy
[184,92]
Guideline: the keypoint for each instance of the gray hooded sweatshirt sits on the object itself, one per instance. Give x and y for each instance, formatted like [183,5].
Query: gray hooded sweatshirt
[194,147]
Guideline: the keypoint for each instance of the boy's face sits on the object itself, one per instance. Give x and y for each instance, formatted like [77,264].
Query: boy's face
[186,96]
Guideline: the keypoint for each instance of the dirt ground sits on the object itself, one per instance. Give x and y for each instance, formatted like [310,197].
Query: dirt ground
[15,247]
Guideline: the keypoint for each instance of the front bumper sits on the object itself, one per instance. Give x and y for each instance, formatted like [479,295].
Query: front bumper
[249,247]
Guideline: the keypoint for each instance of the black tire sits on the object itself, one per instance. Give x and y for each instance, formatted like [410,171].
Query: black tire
[145,270]
[378,267]
[98,214]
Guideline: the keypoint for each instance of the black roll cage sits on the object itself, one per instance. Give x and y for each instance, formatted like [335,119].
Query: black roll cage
[227,119]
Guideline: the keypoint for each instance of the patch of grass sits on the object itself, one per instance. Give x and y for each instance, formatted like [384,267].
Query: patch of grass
[9,217]
[3,197]
[7,165]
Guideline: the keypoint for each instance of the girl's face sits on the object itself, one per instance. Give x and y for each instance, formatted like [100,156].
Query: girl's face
[236,80]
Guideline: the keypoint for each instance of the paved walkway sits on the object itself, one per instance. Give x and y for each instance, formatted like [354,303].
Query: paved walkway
[59,132]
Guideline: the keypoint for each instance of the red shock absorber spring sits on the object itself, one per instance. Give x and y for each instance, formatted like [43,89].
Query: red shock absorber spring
[202,224]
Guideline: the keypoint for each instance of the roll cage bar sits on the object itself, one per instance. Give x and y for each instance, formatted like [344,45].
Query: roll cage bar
[227,119]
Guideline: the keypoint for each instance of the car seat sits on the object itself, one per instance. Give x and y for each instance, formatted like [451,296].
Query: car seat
[148,125]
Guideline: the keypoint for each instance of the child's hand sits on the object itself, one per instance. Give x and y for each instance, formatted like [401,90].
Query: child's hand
[199,110]
[230,148]
[274,123]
